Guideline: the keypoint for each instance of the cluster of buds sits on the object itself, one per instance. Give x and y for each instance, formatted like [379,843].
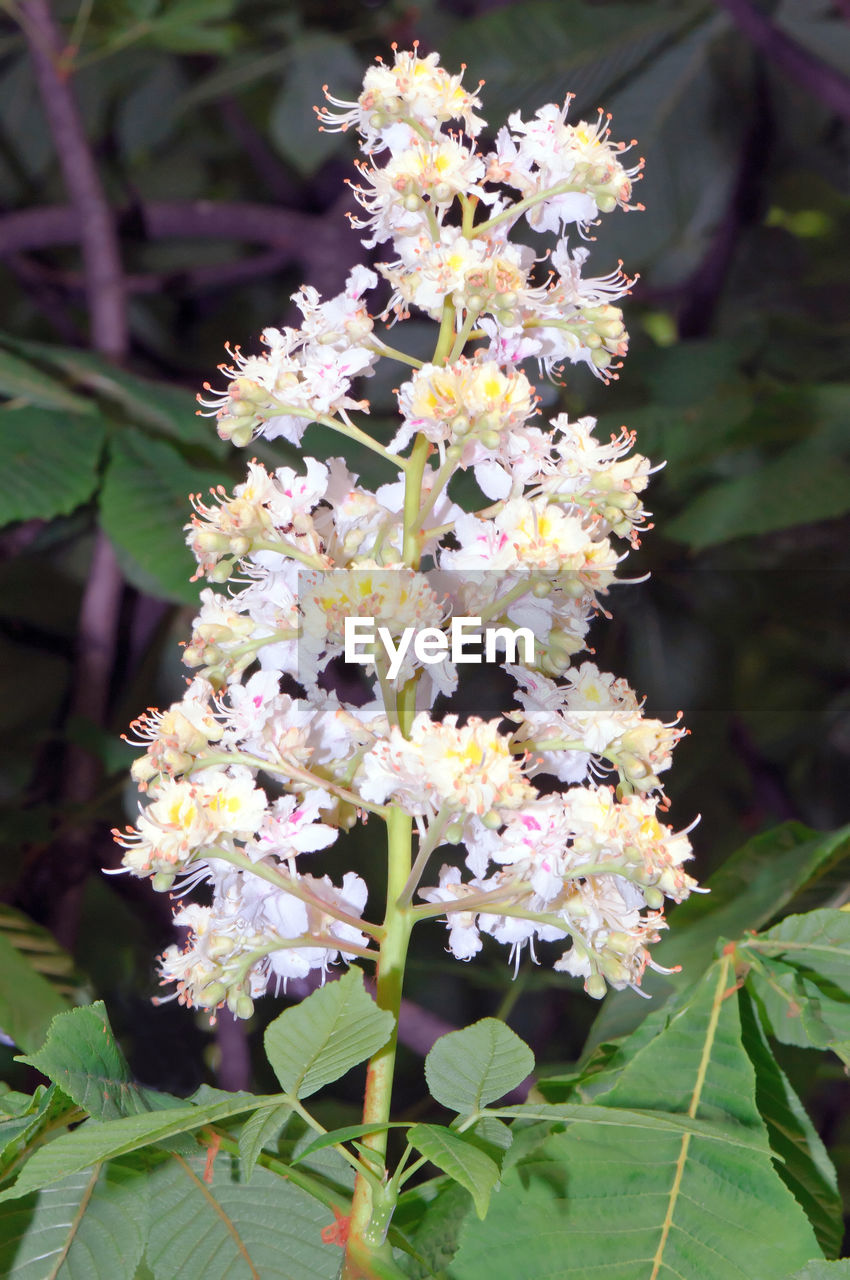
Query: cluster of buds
[260,767]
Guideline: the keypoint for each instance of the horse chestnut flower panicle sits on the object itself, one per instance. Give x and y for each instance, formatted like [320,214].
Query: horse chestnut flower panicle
[549,819]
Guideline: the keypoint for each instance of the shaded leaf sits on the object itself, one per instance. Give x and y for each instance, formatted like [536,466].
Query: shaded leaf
[322,59]
[144,506]
[49,462]
[226,1230]
[326,1035]
[92,1223]
[796,488]
[28,1001]
[21,380]
[804,1166]
[801,979]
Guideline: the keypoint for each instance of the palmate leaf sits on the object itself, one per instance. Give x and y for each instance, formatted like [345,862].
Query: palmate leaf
[619,1204]
[92,1223]
[468,1069]
[226,1230]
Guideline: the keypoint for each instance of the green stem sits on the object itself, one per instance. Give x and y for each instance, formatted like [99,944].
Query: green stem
[296,1175]
[372,1209]
[345,429]
[293,886]
[513,211]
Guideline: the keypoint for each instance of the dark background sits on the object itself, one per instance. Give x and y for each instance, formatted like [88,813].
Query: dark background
[180,138]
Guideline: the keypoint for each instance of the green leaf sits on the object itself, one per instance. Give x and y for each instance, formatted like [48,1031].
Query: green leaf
[92,1223]
[745,893]
[801,978]
[804,1166]
[20,380]
[98,1140]
[46,1110]
[322,59]
[468,1069]
[49,462]
[144,506]
[824,1271]
[798,487]
[28,1001]
[326,1035]
[226,1230]
[82,1056]
[531,53]
[653,1204]
[39,948]
[462,1161]
[258,1130]
[159,406]
[432,1226]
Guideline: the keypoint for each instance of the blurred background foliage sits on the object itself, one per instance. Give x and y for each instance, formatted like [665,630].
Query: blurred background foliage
[225,198]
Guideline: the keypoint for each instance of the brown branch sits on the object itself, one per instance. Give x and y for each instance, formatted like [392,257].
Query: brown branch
[816,76]
[192,280]
[98,239]
[105,296]
[52,225]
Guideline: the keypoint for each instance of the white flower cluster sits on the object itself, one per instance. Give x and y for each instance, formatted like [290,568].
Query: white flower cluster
[259,767]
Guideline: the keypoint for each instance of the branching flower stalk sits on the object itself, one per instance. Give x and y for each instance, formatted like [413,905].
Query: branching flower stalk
[261,766]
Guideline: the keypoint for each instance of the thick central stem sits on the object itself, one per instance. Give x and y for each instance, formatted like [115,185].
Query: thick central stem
[370,1212]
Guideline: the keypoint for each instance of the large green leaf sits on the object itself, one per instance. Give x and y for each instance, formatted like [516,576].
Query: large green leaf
[97,1140]
[159,406]
[326,1035]
[49,461]
[614,1203]
[535,52]
[144,506]
[28,1001]
[744,893]
[467,1069]
[82,1056]
[226,1230]
[460,1159]
[91,1224]
[322,59]
[801,979]
[25,382]
[799,487]
[804,1166]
